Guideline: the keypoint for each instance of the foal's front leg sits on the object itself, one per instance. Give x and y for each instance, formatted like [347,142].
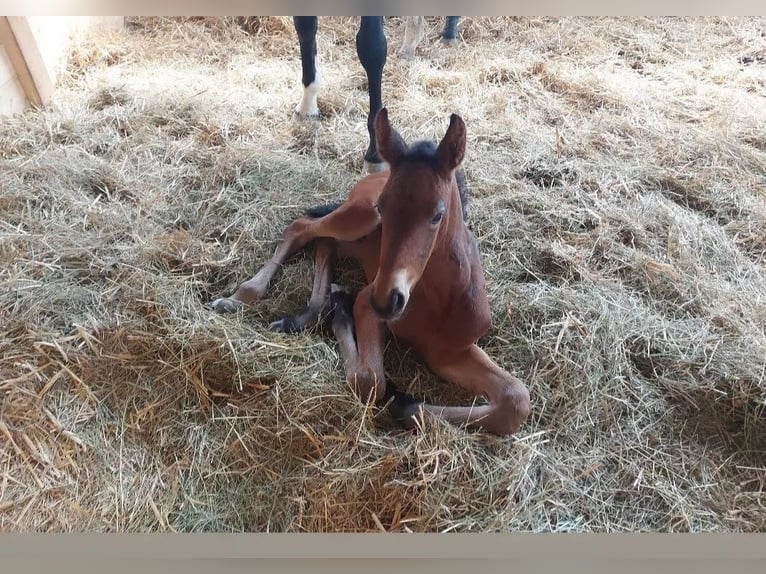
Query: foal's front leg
[363,355]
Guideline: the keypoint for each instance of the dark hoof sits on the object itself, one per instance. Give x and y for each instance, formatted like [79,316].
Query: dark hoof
[341,306]
[225,305]
[286,325]
[404,408]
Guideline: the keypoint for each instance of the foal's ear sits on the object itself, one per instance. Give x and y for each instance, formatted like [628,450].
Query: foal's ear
[390,144]
[451,149]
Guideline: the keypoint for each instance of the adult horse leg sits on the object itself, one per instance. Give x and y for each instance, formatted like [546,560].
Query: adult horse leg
[371,46]
[350,221]
[414,29]
[324,261]
[449,34]
[306,28]
[413,34]
[472,369]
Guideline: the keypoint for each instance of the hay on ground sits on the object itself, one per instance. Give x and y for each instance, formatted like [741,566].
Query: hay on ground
[617,177]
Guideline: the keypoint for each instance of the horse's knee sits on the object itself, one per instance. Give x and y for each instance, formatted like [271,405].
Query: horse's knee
[296,228]
[368,386]
[513,409]
[297,233]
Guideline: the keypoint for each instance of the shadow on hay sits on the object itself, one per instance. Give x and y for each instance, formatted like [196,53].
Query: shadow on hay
[708,408]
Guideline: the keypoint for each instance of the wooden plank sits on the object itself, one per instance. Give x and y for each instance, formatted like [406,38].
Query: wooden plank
[6,68]
[12,97]
[34,50]
[23,52]
[32,56]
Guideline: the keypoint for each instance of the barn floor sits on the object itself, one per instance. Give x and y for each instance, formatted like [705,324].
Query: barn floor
[617,169]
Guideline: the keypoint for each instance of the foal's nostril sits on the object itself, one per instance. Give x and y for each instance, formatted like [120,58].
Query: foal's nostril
[397,302]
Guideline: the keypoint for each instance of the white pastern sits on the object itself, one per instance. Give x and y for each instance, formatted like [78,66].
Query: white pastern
[308,106]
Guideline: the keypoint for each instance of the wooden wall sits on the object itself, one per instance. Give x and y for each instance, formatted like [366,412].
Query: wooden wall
[12,97]
[34,51]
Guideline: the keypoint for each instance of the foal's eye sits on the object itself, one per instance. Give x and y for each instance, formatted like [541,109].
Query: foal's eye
[438,217]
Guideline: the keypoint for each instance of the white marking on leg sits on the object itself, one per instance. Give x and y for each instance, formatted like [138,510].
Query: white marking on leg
[308,106]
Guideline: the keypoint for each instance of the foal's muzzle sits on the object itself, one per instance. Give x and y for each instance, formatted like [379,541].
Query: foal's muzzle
[395,303]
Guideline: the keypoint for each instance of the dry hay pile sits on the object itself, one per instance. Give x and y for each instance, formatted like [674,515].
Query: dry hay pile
[617,168]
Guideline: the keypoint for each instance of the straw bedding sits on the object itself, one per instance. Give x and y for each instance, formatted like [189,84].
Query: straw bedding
[617,171]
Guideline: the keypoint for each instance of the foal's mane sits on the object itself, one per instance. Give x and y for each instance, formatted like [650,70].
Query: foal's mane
[425,152]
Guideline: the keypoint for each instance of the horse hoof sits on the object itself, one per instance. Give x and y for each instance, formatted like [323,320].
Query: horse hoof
[341,308]
[285,325]
[404,408]
[407,53]
[225,305]
[341,301]
[450,42]
[303,115]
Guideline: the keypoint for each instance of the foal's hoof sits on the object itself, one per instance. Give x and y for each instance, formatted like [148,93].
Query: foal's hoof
[449,42]
[404,408]
[341,304]
[285,325]
[407,53]
[225,305]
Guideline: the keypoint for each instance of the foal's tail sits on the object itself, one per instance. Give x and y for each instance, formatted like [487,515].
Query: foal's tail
[322,210]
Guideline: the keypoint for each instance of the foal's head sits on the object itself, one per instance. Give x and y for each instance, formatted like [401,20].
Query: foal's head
[419,205]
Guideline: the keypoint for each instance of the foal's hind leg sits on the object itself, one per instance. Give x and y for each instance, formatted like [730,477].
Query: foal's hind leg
[324,260]
[473,370]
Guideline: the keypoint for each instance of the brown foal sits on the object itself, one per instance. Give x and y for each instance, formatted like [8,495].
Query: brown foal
[425,281]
